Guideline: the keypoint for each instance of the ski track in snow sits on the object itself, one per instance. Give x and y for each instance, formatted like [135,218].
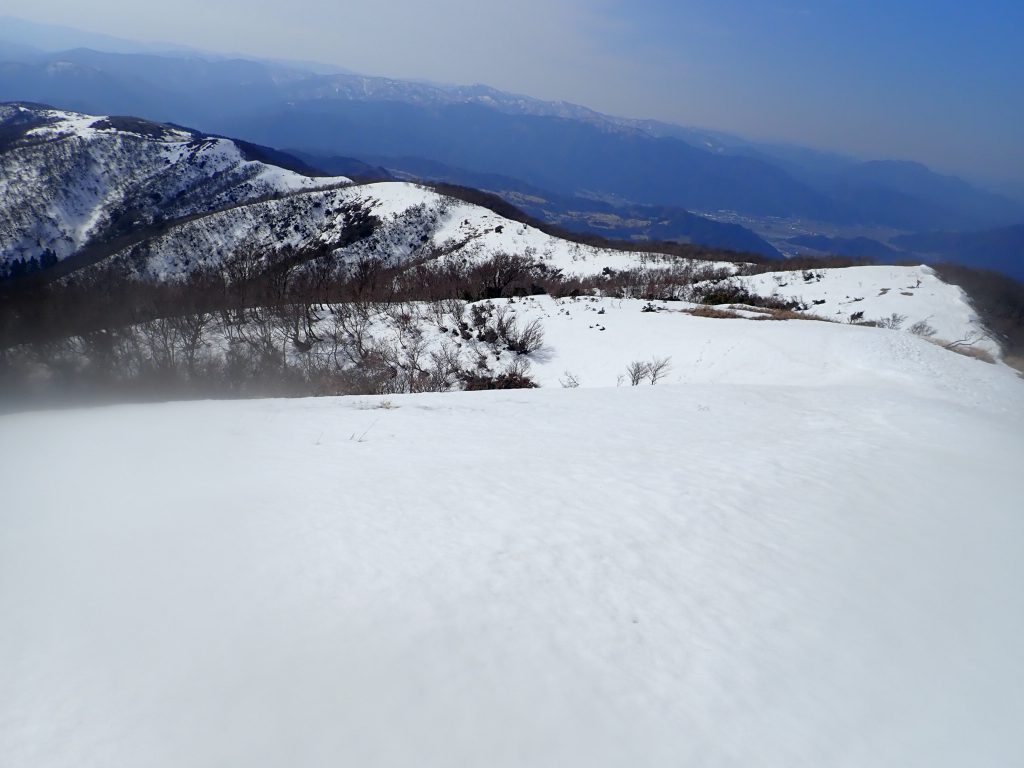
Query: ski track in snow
[807,553]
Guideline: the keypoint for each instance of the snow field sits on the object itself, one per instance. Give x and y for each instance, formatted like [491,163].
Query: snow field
[915,293]
[790,564]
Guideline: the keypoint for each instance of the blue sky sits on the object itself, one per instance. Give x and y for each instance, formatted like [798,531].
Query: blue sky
[940,82]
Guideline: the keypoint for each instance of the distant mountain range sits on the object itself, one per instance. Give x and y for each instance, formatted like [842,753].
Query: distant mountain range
[556,146]
[559,162]
[998,249]
[1001,250]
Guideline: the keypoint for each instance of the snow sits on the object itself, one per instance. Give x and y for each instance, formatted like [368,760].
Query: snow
[805,549]
[487,233]
[916,293]
[60,193]
[460,230]
[597,338]
[407,211]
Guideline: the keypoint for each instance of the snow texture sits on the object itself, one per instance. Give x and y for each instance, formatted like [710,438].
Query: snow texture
[805,551]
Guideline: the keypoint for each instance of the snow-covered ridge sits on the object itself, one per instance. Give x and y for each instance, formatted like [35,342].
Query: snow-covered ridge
[68,179]
[417,223]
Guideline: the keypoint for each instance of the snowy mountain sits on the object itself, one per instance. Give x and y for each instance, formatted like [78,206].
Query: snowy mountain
[550,145]
[162,200]
[130,199]
[411,223]
[420,226]
[69,180]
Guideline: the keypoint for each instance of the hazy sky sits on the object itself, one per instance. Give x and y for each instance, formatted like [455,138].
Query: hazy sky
[940,81]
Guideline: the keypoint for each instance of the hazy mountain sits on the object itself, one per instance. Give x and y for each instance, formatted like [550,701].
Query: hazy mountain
[560,147]
[54,37]
[556,146]
[999,249]
[610,219]
[566,149]
[947,197]
[565,156]
[22,40]
[861,247]
[12,51]
[338,165]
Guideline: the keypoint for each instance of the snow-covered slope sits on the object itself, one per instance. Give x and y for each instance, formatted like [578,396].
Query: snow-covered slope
[595,339]
[415,223]
[67,179]
[807,552]
[911,294]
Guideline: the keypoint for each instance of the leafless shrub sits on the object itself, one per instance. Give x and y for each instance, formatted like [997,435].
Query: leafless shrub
[732,292]
[894,322]
[191,332]
[350,332]
[518,369]
[653,370]
[445,368]
[160,340]
[923,329]
[525,340]
[515,376]
[569,380]
[658,368]
[446,313]
[637,371]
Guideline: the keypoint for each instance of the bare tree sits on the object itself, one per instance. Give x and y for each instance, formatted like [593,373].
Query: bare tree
[191,334]
[445,368]
[893,322]
[637,371]
[923,329]
[569,380]
[658,368]
[522,340]
[351,331]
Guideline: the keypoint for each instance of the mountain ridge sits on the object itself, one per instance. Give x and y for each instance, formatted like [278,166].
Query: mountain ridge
[70,180]
[270,104]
